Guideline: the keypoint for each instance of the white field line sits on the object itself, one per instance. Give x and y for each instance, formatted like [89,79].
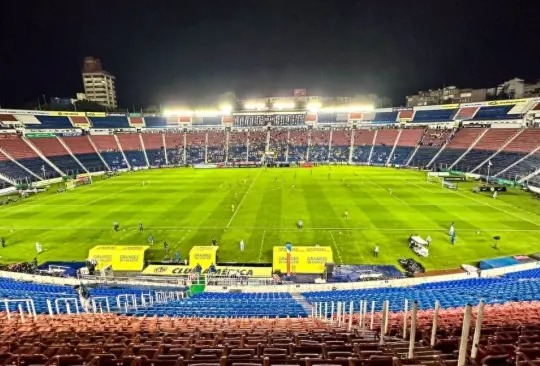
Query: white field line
[112,194]
[125,235]
[243,198]
[284,229]
[389,192]
[262,244]
[336,246]
[182,239]
[498,209]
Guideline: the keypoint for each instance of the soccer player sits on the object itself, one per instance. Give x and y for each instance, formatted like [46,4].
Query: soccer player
[151,240]
[232,208]
[242,245]
[495,195]
[177,257]
[214,242]
[235,195]
[166,247]
[141,226]
[2,242]
[346,215]
[376,251]
[428,240]
[39,248]
[453,238]
[300,224]
[115,226]
[452,229]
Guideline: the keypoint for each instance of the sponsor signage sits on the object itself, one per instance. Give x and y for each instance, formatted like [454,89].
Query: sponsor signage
[203,256]
[450,106]
[120,257]
[172,270]
[39,135]
[96,114]
[68,114]
[492,189]
[20,111]
[302,259]
[507,102]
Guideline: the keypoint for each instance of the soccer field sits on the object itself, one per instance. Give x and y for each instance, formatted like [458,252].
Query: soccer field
[187,207]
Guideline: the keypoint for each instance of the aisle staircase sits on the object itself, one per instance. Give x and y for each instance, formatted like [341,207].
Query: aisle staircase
[302,301]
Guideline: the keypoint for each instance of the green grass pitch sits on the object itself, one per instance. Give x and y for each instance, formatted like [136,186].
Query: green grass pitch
[187,207]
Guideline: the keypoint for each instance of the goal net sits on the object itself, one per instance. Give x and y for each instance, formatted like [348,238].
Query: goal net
[450,185]
[81,179]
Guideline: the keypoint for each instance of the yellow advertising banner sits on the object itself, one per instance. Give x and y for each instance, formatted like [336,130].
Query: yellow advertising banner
[203,255]
[172,270]
[303,259]
[96,114]
[68,114]
[120,257]
[507,102]
[450,106]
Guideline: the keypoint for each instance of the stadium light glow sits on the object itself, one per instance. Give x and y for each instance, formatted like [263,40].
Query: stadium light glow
[314,106]
[226,108]
[255,106]
[284,105]
[344,109]
[177,112]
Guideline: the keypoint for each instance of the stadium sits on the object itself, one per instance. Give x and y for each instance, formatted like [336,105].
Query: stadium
[383,236]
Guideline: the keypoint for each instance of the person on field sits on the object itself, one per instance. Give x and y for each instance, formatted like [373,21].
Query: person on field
[141,228]
[166,247]
[495,195]
[300,224]
[151,240]
[242,245]
[376,251]
[428,240]
[346,215]
[214,242]
[39,248]
[451,230]
[232,208]
[116,226]
[2,242]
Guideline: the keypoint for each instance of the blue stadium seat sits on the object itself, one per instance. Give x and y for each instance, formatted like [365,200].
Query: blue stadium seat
[447,157]
[495,112]
[318,153]
[385,117]
[156,157]
[52,122]
[380,155]
[109,122]
[91,161]
[437,115]
[523,168]
[361,154]
[15,172]
[339,153]
[114,159]
[135,158]
[424,155]
[401,155]
[155,122]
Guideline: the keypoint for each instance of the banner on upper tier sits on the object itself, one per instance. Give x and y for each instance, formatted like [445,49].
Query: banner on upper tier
[96,114]
[120,257]
[68,114]
[303,259]
[39,135]
[507,102]
[172,270]
[203,256]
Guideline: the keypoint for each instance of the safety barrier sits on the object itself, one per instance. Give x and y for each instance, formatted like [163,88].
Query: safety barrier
[30,307]
[100,298]
[126,304]
[66,301]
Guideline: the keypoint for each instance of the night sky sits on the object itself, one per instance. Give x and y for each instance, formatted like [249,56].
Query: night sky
[181,51]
